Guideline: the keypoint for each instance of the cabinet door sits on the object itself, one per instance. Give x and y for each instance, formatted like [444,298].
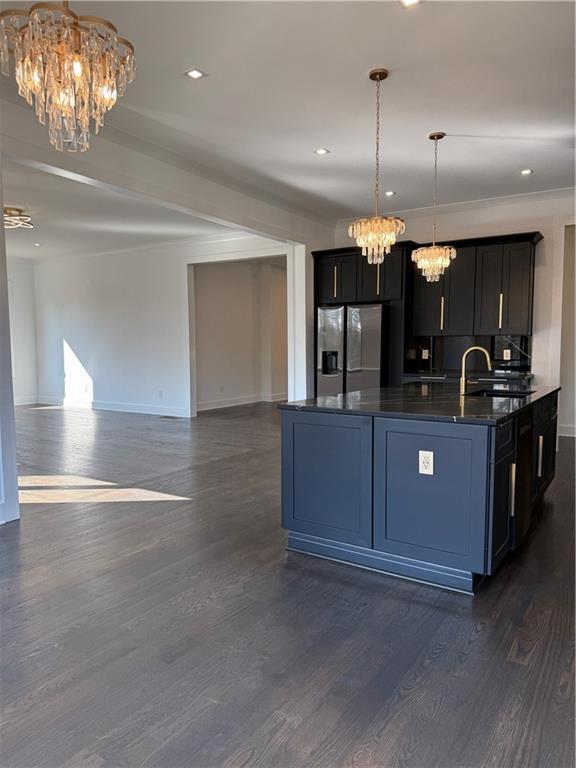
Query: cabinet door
[439,517]
[458,290]
[488,290]
[326,274]
[501,509]
[517,288]
[370,280]
[346,267]
[427,306]
[393,275]
[524,477]
[327,476]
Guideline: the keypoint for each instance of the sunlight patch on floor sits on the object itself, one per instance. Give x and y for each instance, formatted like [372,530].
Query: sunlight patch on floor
[78,489]
[93,495]
[53,481]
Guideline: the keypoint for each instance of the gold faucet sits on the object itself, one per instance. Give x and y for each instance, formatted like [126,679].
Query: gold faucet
[463,372]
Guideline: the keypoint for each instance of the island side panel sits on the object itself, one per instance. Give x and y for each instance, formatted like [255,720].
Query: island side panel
[327,476]
[440,517]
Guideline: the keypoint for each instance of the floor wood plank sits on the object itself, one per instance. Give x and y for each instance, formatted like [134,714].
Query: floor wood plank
[159,621]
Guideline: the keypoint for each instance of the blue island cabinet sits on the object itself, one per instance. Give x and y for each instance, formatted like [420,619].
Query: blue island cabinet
[327,476]
[427,500]
[440,518]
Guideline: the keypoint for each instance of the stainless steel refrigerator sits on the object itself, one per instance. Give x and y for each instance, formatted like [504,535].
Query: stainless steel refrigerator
[349,348]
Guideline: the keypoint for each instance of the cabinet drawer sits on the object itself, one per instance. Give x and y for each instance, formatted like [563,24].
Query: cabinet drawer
[505,439]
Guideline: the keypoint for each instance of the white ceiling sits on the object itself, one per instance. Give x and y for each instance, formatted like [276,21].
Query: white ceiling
[287,77]
[74,219]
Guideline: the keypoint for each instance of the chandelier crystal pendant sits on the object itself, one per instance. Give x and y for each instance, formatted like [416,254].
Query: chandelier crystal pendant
[15,218]
[377,234]
[72,68]
[434,259]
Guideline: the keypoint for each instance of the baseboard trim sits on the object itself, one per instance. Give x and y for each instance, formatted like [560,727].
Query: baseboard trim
[151,410]
[105,405]
[277,398]
[213,405]
[30,400]
[567,430]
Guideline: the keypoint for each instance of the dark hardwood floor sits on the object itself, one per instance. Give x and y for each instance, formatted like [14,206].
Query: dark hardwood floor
[179,633]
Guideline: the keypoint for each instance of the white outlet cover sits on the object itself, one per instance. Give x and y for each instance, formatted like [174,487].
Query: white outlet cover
[426,462]
[425,354]
[507,354]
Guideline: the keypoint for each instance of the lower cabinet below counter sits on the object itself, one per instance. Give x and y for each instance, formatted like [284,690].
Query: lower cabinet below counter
[438,517]
[436,501]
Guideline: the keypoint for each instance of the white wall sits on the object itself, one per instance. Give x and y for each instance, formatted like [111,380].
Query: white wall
[125,318]
[548,213]
[240,333]
[23,330]
[567,405]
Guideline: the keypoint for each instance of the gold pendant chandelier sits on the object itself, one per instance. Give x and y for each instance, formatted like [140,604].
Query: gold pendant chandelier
[377,234]
[15,218]
[73,68]
[434,259]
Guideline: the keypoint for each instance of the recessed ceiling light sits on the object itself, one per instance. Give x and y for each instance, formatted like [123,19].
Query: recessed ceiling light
[322,151]
[36,245]
[196,74]
[527,172]
[408,3]
[390,193]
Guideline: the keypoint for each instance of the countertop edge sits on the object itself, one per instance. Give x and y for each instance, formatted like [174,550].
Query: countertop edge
[478,420]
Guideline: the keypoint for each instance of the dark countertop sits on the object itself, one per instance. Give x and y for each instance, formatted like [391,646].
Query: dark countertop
[431,401]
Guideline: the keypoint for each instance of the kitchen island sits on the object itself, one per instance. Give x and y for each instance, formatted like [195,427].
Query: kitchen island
[418,481]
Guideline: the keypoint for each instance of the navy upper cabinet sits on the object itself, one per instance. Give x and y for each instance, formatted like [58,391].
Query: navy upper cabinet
[382,282]
[426,305]
[327,476]
[446,308]
[335,278]
[517,288]
[504,289]
[458,291]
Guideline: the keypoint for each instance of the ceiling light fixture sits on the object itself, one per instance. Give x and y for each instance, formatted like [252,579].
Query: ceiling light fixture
[377,234]
[196,74]
[433,259]
[322,151]
[36,245]
[73,68]
[527,172]
[15,218]
[390,193]
[408,3]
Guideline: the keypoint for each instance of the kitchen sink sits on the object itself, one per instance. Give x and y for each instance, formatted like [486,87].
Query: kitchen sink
[499,393]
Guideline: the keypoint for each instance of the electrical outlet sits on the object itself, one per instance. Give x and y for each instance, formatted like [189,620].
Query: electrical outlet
[426,462]
[507,354]
[425,354]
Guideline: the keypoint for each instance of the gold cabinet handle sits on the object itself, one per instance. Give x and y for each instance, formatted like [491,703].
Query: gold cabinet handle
[500,311]
[335,280]
[540,454]
[442,313]
[378,280]
[512,489]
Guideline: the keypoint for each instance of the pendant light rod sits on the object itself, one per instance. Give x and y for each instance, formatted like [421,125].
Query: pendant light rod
[435,137]
[377,75]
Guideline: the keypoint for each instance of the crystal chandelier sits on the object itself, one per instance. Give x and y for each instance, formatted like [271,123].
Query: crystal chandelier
[377,234]
[15,218]
[73,68]
[433,259]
